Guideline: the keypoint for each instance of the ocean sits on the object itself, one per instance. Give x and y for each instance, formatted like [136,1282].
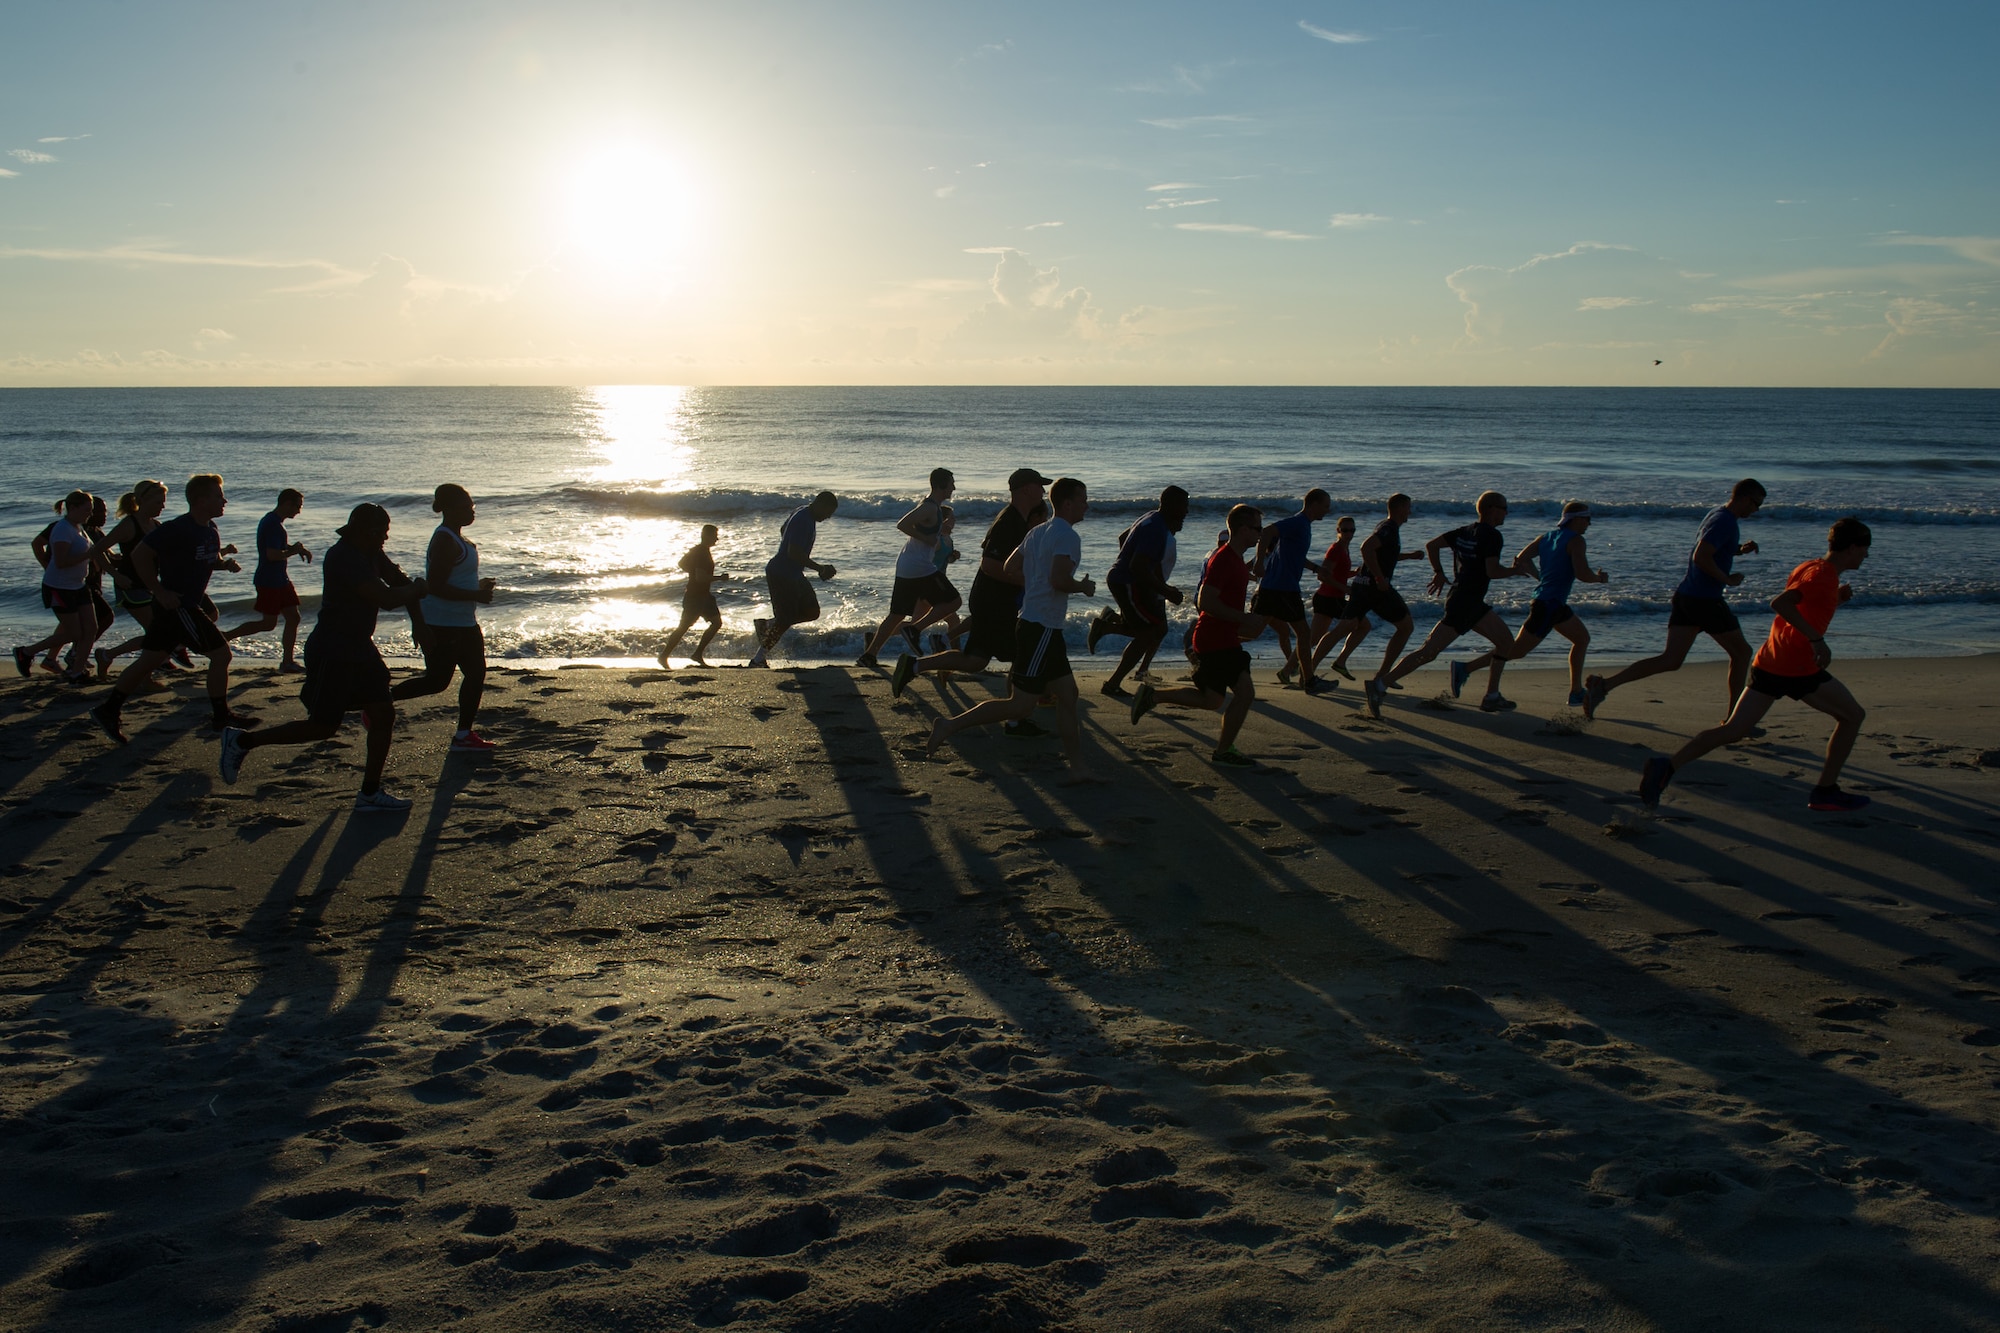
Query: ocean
[588,497]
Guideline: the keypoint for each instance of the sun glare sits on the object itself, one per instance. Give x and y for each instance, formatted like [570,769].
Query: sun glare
[630,211]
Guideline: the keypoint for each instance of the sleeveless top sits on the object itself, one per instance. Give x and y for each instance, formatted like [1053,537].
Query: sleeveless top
[465,575]
[1558,568]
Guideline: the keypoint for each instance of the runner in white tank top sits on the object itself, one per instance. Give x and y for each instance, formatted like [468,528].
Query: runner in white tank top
[452,641]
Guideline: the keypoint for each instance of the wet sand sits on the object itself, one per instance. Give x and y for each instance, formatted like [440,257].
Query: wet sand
[707,1002]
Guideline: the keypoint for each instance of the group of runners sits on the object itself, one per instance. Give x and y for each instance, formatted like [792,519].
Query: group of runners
[160,572]
[1017,611]
[1030,566]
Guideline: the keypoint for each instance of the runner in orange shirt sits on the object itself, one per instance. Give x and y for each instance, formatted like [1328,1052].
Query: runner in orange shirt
[1792,665]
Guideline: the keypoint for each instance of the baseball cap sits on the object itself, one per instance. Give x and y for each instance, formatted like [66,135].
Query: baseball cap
[1026,476]
[365,517]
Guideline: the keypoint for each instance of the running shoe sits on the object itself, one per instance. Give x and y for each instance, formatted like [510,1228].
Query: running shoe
[473,743]
[110,722]
[1372,689]
[1285,673]
[1395,685]
[1835,801]
[757,659]
[1459,671]
[380,801]
[105,657]
[1233,758]
[1312,685]
[905,672]
[24,661]
[911,637]
[939,643]
[1653,780]
[1024,729]
[291,669]
[1345,673]
[1112,690]
[229,758]
[1096,631]
[76,678]
[1594,695]
[181,658]
[867,661]
[53,667]
[1144,700]
[1497,703]
[1577,697]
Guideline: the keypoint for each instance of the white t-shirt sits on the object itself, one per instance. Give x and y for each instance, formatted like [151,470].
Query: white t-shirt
[918,560]
[1167,560]
[65,540]
[1039,602]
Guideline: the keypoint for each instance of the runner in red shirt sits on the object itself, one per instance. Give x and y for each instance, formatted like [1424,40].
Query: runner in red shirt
[1221,667]
[1333,617]
[1792,665]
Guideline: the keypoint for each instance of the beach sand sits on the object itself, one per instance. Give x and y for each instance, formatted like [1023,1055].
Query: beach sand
[706,1001]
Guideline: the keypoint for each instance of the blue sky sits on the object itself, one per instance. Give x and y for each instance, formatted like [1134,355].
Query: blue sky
[909,193]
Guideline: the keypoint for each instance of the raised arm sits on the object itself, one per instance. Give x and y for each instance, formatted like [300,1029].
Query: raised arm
[1581,564]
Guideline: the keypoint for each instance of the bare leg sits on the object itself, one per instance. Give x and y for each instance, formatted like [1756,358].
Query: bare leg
[1833,699]
[707,635]
[381,726]
[1578,635]
[1404,628]
[1241,697]
[1749,711]
[1016,705]
[291,614]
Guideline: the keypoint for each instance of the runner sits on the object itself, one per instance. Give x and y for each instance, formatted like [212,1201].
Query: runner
[1332,619]
[98,564]
[917,577]
[793,601]
[446,623]
[344,668]
[1373,591]
[1046,561]
[1792,664]
[275,594]
[66,590]
[1139,586]
[995,600]
[1283,553]
[947,613]
[173,563]
[1698,605]
[698,598]
[138,514]
[1222,677]
[1563,562]
[1476,553]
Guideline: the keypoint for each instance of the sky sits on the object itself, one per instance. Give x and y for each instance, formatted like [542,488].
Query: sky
[952,193]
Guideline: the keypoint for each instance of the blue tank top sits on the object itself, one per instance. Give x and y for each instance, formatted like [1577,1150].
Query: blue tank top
[1558,568]
[464,574]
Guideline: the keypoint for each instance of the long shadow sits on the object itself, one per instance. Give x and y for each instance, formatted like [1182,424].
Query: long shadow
[1642,1123]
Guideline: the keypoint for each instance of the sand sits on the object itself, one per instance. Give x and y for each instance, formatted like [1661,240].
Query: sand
[708,1002]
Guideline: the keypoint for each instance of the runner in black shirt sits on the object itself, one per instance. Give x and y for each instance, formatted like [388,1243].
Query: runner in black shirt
[344,668]
[1373,591]
[1476,550]
[173,563]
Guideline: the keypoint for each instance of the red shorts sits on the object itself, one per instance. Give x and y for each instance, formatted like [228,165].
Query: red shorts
[270,601]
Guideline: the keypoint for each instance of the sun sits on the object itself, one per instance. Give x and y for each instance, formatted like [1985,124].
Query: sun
[630,211]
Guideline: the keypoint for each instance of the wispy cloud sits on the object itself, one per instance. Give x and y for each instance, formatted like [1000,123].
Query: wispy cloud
[143,254]
[1456,280]
[1172,185]
[61,138]
[1978,249]
[30,155]
[1183,203]
[1337,38]
[1244,229]
[1356,219]
[945,191]
[1037,226]
[1610,302]
[5,172]
[1194,122]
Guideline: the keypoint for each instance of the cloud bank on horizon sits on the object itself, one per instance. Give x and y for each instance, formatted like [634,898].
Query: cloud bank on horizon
[1176,194]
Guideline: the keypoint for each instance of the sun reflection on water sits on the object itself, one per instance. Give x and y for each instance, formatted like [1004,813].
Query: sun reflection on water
[643,433]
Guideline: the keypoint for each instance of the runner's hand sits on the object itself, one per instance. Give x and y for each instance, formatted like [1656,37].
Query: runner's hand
[232,566]
[1172,594]
[826,572]
[486,587]
[1822,654]
[1436,583]
[1747,548]
[1846,593]
[1733,580]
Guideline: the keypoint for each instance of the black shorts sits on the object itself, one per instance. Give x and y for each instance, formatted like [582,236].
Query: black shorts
[65,601]
[105,615]
[1137,608]
[935,589]
[1331,605]
[1710,615]
[1040,657]
[793,601]
[332,690]
[131,597]
[1542,617]
[1279,604]
[1371,599]
[990,633]
[1786,687]
[699,606]
[1219,669]
[188,626]
[1462,613]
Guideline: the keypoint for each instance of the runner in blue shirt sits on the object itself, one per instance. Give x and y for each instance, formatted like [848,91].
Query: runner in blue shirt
[1562,563]
[1283,555]
[276,596]
[793,601]
[1138,582]
[1699,607]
